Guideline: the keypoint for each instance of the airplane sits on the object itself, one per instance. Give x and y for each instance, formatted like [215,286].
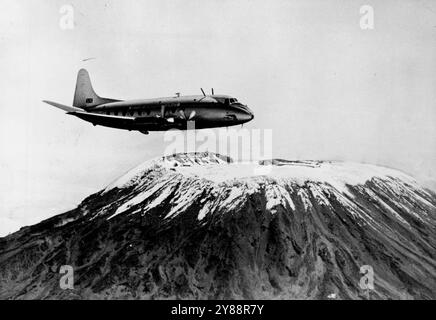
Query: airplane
[159,114]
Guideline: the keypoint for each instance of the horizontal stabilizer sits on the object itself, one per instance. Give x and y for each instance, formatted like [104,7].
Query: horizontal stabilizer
[63,107]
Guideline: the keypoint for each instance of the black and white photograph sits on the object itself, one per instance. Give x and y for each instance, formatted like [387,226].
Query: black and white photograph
[235,152]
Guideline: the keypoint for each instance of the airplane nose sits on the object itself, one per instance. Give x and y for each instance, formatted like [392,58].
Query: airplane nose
[250,114]
[246,116]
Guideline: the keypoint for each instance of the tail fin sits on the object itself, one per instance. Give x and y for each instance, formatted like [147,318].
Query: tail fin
[84,96]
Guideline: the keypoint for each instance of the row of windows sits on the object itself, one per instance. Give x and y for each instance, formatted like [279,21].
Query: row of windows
[127,113]
[137,113]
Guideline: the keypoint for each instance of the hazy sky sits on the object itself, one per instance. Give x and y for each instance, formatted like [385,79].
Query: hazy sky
[327,88]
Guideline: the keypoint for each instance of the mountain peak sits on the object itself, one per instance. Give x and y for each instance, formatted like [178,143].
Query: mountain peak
[218,168]
[202,226]
[195,158]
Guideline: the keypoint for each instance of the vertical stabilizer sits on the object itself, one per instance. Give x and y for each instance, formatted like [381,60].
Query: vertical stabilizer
[85,96]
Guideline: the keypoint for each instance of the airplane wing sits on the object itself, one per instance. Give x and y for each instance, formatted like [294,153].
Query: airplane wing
[98,116]
[117,120]
[151,120]
[102,118]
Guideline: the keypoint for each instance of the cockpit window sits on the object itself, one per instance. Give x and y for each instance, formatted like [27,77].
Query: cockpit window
[227,100]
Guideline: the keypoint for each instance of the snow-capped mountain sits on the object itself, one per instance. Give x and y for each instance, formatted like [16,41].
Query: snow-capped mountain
[202,226]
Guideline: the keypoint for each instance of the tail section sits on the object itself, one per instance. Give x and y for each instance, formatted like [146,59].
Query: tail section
[85,96]
[62,106]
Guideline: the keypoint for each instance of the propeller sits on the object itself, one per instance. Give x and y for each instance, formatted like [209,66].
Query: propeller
[202,91]
[212,92]
[184,117]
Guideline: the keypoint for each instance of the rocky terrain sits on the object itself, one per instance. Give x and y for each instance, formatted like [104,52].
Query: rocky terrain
[199,226]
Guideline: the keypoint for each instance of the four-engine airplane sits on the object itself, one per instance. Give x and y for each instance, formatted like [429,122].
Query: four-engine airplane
[144,115]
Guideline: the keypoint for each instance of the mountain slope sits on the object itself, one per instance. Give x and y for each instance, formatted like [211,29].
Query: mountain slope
[200,226]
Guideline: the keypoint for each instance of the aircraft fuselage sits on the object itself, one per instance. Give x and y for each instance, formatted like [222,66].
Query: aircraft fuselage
[205,111]
[172,112]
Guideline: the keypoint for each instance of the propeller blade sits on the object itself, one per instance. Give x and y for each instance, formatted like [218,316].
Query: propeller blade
[192,115]
[203,92]
[182,114]
[212,92]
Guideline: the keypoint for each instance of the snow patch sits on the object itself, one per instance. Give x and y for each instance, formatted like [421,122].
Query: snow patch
[276,195]
[140,197]
[305,199]
[184,199]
